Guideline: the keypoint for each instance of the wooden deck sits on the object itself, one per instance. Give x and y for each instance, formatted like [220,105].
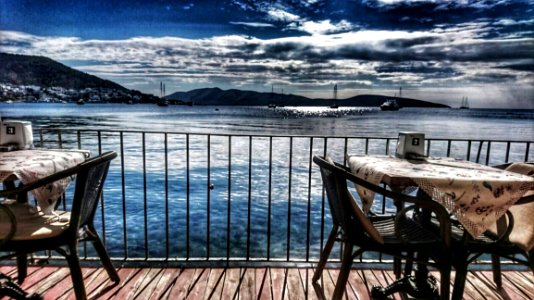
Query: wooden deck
[244,283]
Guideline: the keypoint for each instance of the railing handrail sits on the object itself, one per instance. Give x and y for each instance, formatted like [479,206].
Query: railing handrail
[322,136]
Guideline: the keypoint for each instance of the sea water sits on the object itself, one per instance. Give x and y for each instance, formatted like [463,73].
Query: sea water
[293,196]
[354,121]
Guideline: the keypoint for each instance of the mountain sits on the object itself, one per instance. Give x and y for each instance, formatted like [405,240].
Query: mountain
[216,96]
[45,72]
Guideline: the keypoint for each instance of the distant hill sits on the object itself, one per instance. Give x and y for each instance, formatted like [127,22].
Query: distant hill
[45,72]
[216,96]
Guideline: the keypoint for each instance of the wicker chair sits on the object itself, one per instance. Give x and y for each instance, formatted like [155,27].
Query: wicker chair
[399,235]
[512,237]
[8,287]
[65,229]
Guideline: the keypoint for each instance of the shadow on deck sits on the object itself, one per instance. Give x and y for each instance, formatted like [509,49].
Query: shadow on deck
[244,283]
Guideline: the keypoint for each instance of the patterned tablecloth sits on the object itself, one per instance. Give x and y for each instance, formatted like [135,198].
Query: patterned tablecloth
[477,195]
[30,165]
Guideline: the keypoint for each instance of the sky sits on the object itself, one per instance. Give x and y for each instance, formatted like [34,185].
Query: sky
[436,50]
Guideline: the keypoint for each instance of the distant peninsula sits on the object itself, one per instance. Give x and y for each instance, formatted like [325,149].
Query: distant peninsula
[216,96]
[25,78]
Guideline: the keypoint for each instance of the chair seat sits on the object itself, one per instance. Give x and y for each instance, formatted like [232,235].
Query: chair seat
[406,229]
[36,225]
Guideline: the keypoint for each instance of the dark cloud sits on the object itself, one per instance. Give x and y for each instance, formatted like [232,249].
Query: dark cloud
[489,51]
[14,43]
[407,43]
[171,52]
[489,78]
[236,68]
[429,69]
[529,67]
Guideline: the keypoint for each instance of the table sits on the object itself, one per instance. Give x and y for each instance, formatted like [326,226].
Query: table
[475,194]
[30,165]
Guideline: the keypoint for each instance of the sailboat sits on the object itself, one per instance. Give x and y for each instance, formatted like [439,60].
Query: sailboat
[272,104]
[334,104]
[465,103]
[162,101]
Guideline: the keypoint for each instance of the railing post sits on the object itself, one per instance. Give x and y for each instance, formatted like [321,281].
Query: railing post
[123,191]
[289,185]
[308,219]
[145,199]
[208,195]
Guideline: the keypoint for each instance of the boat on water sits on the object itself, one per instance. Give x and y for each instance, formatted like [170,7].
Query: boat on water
[465,103]
[163,103]
[334,104]
[390,105]
[271,105]
[80,102]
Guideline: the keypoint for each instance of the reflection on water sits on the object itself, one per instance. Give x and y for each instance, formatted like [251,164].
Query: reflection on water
[359,121]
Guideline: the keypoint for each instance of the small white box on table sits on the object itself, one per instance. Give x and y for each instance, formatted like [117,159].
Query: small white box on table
[410,145]
[16,135]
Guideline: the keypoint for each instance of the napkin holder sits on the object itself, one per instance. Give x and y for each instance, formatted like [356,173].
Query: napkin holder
[410,145]
[15,135]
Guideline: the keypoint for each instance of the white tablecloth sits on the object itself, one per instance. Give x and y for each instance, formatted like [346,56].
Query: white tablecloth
[30,165]
[477,195]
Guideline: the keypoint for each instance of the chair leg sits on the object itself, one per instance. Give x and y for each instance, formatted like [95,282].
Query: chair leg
[459,282]
[397,267]
[531,260]
[408,265]
[445,282]
[346,262]
[22,267]
[104,257]
[76,273]
[326,253]
[496,265]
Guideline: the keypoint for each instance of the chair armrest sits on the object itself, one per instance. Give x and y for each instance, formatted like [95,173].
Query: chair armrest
[502,166]
[504,236]
[529,198]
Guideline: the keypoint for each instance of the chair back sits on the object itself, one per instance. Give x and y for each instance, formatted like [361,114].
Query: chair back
[330,185]
[8,223]
[344,209]
[522,233]
[89,183]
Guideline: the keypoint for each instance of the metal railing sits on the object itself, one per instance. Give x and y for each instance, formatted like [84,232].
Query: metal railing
[184,197]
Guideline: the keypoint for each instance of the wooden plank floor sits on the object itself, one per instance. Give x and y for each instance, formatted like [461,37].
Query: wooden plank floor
[244,283]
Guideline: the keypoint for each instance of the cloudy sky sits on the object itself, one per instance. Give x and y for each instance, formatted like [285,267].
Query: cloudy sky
[437,50]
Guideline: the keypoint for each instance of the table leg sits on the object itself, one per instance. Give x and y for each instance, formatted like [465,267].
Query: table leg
[425,283]
[22,197]
[419,286]
[22,267]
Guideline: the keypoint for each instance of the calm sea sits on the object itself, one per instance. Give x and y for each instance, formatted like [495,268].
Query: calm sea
[435,123]
[281,191]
